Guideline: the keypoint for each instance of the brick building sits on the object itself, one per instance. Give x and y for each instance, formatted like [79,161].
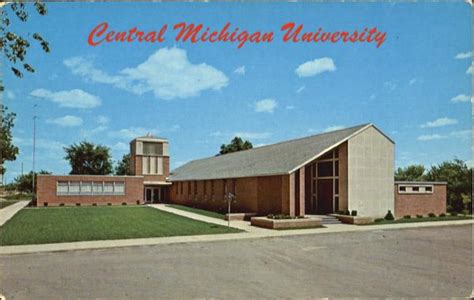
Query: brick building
[347,169]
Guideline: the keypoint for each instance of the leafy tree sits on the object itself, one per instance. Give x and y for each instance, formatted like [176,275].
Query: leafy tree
[24,183]
[123,166]
[459,178]
[8,151]
[14,46]
[89,159]
[237,144]
[410,173]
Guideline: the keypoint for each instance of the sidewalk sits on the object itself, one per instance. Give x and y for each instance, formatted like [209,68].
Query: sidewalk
[254,233]
[8,212]
[242,225]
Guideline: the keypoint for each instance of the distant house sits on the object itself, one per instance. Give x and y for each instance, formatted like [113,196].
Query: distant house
[347,169]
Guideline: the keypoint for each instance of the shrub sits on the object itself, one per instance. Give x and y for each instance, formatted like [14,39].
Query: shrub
[419,216]
[94,204]
[389,216]
[124,203]
[454,214]
[347,213]
[465,212]
[407,217]
[340,212]
[378,220]
[354,213]
[431,215]
[138,202]
[78,204]
[61,204]
[442,215]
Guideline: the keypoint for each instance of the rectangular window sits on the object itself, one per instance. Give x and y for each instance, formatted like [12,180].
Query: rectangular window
[428,189]
[86,188]
[97,188]
[336,186]
[402,189]
[108,188]
[325,169]
[145,165]
[74,188]
[63,188]
[328,155]
[336,168]
[119,188]
[152,148]
[415,189]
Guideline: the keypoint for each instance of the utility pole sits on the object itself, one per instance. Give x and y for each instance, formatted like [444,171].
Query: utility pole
[34,149]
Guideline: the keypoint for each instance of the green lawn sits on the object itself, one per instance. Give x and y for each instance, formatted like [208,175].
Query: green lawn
[6,203]
[203,212]
[425,219]
[70,224]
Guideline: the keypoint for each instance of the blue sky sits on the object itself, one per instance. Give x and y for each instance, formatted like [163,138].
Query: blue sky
[416,87]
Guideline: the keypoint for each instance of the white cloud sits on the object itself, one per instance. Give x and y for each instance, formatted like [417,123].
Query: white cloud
[120,147]
[10,95]
[439,123]
[133,132]
[75,98]
[300,89]
[289,107]
[216,133]
[315,67]
[463,55]
[102,120]
[253,135]
[240,70]
[167,73]
[390,85]
[94,131]
[266,105]
[469,70]
[333,128]
[461,134]
[66,121]
[412,81]
[430,137]
[460,98]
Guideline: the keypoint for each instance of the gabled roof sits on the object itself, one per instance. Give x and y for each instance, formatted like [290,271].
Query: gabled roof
[276,159]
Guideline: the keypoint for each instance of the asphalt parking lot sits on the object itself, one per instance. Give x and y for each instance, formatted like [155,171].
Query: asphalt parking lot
[422,262]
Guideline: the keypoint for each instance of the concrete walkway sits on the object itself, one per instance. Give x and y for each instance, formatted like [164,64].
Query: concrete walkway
[8,212]
[242,225]
[254,233]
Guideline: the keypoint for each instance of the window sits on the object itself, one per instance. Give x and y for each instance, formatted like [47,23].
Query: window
[119,188]
[415,189]
[152,148]
[63,188]
[97,188]
[108,188]
[86,188]
[74,188]
[325,169]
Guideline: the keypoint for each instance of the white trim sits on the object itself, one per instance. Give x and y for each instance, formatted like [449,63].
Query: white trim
[157,183]
[333,146]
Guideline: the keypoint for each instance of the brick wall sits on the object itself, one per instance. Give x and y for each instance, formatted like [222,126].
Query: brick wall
[421,204]
[253,194]
[47,184]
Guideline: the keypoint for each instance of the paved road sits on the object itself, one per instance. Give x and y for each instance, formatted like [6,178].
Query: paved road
[383,263]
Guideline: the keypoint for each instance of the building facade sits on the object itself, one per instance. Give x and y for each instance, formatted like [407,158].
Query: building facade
[348,169]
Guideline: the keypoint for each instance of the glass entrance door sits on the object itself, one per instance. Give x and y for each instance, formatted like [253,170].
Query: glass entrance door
[152,194]
[156,195]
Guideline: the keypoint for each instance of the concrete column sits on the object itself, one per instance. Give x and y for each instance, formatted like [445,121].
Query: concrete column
[301,196]
[291,199]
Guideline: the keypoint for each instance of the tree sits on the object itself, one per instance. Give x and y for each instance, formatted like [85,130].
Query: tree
[89,159]
[123,166]
[237,144]
[24,183]
[8,151]
[14,46]
[410,173]
[459,179]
